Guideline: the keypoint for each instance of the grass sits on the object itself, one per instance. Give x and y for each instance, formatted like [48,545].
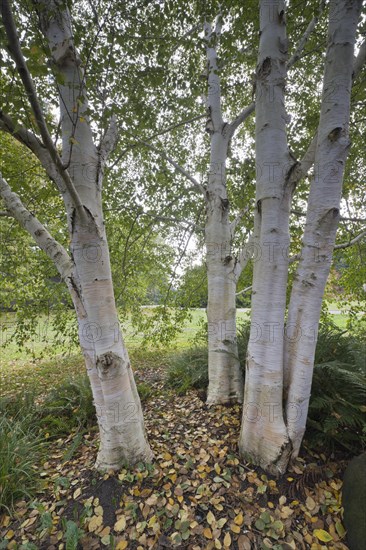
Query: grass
[20,451]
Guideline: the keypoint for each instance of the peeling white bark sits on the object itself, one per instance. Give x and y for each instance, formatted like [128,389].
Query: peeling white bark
[322,216]
[264,438]
[87,272]
[225,376]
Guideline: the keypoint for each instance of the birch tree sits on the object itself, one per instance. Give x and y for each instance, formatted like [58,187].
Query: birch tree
[77,172]
[280,354]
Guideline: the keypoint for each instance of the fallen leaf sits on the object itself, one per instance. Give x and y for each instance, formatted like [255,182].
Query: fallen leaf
[322,535]
[207,533]
[210,518]
[227,540]
[120,524]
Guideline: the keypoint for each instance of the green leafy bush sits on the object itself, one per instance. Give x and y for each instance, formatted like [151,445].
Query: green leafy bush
[337,411]
[189,369]
[68,406]
[144,391]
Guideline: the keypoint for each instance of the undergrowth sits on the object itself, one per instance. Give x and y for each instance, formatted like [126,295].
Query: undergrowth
[337,411]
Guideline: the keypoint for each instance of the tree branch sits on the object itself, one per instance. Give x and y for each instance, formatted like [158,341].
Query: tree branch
[31,141]
[342,219]
[54,250]
[5,214]
[351,242]
[244,290]
[233,126]
[214,119]
[177,166]
[157,134]
[17,55]
[109,141]
[303,40]
[302,168]
[243,257]
[360,60]
[234,224]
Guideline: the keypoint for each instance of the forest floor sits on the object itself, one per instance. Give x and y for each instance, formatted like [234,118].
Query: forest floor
[197,494]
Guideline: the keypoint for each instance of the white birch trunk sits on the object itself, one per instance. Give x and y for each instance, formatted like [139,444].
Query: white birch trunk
[264,438]
[225,376]
[322,216]
[120,419]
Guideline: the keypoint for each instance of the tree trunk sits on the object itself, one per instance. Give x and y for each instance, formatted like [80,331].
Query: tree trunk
[281,358]
[225,376]
[118,406]
[322,216]
[264,438]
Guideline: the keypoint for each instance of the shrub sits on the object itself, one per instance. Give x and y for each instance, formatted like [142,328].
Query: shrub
[189,369]
[68,406]
[337,412]
[144,391]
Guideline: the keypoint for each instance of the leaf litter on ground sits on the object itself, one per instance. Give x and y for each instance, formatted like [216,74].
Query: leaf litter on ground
[197,494]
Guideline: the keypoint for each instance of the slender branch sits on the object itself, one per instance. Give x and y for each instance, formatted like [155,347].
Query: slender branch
[31,141]
[157,134]
[109,140]
[302,168]
[234,224]
[360,60]
[177,166]
[243,257]
[54,250]
[5,214]
[233,126]
[16,53]
[351,242]
[244,290]
[303,40]
[342,218]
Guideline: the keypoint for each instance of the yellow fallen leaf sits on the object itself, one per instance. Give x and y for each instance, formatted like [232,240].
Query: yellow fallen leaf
[9,535]
[152,521]
[322,535]
[235,528]
[210,518]
[98,511]
[120,524]
[207,533]
[77,493]
[5,521]
[227,540]
[238,520]
[310,503]
[94,523]
[122,545]
[105,532]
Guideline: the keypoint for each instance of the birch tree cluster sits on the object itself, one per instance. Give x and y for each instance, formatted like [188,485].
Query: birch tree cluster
[133,133]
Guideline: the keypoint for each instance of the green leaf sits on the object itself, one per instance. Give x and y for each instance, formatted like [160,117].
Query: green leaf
[322,535]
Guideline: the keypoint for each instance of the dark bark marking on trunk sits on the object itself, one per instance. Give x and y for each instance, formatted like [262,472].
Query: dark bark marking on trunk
[108,365]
